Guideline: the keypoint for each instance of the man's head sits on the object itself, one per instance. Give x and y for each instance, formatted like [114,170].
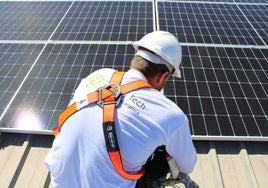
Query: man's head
[158,56]
[161,47]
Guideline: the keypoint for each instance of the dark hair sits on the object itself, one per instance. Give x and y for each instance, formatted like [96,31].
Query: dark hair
[148,68]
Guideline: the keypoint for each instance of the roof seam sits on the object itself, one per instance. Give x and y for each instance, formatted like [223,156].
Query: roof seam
[26,147]
[218,182]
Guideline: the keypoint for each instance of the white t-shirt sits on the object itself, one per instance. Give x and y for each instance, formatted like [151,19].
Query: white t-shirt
[78,157]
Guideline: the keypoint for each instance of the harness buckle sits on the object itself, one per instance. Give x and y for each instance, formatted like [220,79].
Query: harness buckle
[113,87]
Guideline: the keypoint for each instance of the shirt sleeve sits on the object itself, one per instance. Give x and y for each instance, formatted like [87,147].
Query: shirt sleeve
[180,146]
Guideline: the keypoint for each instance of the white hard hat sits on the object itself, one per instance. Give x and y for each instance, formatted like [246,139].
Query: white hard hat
[165,45]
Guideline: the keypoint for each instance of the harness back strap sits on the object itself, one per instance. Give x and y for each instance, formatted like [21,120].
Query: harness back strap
[108,98]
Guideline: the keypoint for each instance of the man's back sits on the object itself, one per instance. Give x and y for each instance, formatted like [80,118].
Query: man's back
[144,120]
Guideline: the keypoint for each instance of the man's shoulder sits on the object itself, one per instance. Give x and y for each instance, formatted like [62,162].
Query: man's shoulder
[97,79]
[92,82]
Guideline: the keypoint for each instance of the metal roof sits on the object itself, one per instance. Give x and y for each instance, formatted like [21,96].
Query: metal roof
[220,163]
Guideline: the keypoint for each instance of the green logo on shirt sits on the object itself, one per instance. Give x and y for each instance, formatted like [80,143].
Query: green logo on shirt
[95,81]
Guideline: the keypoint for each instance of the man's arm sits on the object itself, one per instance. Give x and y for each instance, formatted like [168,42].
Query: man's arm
[181,148]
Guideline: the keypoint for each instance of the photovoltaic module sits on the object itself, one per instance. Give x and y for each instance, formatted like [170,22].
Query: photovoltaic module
[47,47]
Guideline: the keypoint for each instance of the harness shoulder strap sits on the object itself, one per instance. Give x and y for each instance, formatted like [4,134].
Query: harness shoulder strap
[109,129]
[93,97]
[108,98]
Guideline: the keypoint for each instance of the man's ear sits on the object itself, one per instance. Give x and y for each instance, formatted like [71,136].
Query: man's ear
[159,80]
[163,76]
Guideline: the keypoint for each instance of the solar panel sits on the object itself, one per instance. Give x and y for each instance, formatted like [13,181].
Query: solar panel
[223,89]
[47,47]
[106,21]
[217,23]
[15,62]
[257,16]
[51,82]
[30,20]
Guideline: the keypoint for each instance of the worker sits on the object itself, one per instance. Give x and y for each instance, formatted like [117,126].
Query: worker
[144,120]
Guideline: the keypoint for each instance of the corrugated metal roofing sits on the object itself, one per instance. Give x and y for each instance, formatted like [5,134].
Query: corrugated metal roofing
[21,160]
[232,164]
[220,164]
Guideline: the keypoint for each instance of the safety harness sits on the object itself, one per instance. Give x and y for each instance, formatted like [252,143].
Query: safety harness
[107,98]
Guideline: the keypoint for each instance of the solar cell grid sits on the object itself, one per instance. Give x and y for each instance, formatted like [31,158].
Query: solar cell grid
[228,129]
[257,16]
[55,77]
[216,1]
[30,20]
[251,1]
[183,103]
[208,108]
[200,121]
[106,21]
[229,91]
[15,62]
[212,123]
[207,23]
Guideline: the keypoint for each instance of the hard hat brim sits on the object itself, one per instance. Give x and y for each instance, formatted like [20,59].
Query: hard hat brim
[177,73]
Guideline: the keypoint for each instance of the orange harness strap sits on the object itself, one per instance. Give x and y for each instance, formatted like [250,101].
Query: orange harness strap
[108,98]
